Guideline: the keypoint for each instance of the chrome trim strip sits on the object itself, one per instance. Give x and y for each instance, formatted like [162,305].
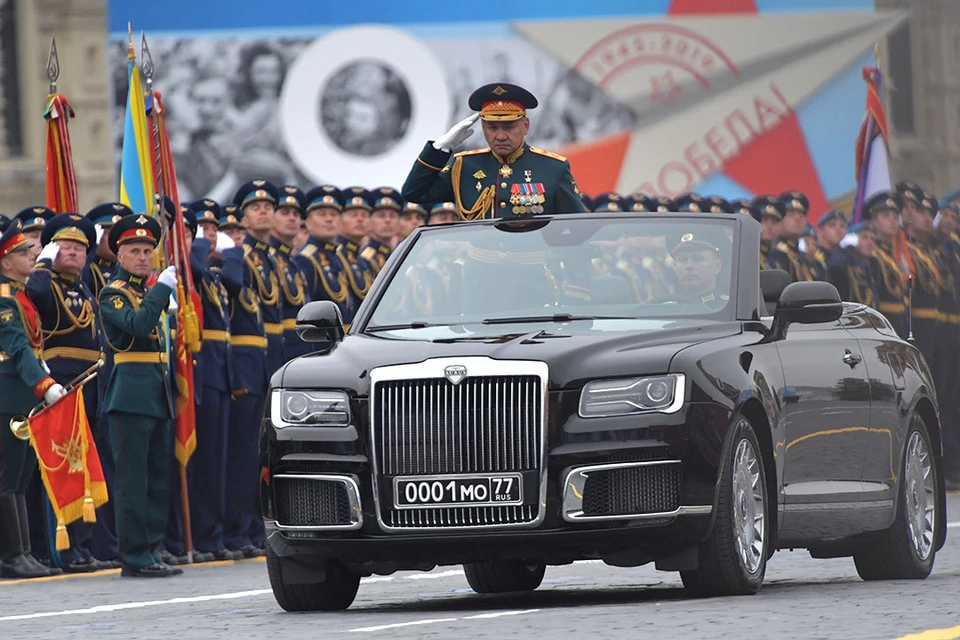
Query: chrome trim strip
[679,397]
[353,498]
[477,366]
[577,477]
[518,477]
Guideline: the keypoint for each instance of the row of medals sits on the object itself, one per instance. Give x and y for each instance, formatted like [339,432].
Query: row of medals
[521,202]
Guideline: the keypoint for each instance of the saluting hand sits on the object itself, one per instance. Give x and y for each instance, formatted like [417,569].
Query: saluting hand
[49,252]
[457,134]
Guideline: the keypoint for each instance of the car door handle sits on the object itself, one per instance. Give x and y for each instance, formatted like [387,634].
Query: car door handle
[851,359]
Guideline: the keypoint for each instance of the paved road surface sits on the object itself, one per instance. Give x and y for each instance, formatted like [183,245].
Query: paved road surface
[802,598]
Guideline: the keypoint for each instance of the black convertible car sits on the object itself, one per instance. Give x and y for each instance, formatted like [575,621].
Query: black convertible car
[628,387]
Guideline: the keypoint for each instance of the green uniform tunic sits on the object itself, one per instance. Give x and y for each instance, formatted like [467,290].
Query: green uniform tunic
[484,185]
[138,404]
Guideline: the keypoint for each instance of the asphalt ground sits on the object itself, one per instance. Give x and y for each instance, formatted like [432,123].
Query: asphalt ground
[801,598]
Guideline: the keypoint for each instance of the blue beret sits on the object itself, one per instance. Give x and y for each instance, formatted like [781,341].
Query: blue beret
[387,198]
[70,226]
[108,213]
[255,191]
[33,218]
[860,226]
[326,196]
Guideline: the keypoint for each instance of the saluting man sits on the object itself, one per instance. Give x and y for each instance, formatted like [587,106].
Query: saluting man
[23,379]
[102,264]
[286,225]
[138,402]
[509,178]
[33,220]
[318,260]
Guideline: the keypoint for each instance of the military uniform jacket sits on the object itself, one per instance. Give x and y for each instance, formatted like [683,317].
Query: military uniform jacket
[133,326]
[23,378]
[98,272]
[72,335]
[248,341]
[925,298]
[264,279]
[293,295]
[212,366]
[324,275]
[853,277]
[948,263]
[891,287]
[785,255]
[765,255]
[373,256]
[484,185]
[358,278]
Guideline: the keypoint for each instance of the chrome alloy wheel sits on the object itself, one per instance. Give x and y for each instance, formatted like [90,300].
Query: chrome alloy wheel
[748,511]
[920,496]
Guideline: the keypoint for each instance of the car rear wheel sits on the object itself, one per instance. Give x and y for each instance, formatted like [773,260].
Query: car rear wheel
[733,560]
[503,576]
[335,592]
[906,550]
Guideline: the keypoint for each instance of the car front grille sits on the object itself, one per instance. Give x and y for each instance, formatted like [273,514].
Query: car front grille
[633,490]
[303,502]
[490,422]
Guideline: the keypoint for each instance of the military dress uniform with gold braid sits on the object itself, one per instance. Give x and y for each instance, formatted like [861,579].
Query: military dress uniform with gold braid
[138,402]
[852,275]
[100,270]
[359,277]
[325,275]
[891,287]
[925,299]
[294,295]
[949,343]
[786,255]
[483,184]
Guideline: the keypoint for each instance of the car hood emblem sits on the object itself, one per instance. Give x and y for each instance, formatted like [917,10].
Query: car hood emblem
[455,373]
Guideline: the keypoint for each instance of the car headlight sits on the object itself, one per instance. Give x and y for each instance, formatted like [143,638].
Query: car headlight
[626,396]
[313,408]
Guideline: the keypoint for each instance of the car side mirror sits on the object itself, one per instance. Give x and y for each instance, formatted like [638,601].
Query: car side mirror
[320,321]
[806,303]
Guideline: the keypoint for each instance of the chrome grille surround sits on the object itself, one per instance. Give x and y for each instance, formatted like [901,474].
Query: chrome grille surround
[351,491]
[433,372]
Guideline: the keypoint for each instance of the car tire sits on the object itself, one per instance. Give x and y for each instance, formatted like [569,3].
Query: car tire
[503,576]
[906,551]
[335,592]
[733,560]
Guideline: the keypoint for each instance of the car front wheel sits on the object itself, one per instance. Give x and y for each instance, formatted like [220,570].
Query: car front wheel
[334,592]
[733,559]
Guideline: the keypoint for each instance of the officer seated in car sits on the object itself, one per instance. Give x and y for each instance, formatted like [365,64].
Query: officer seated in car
[697,263]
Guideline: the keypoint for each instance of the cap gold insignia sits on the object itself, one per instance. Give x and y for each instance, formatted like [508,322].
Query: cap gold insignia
[115,218]
[142,219]
[74,217]
[796,204]
[772,210]
[38,209]
[260,193]
[259,183]
[232,219]
[290,189]
[327,200]
[694,206]
[479,175]
[141,232]
[118,207]
[499,91]
[687,237]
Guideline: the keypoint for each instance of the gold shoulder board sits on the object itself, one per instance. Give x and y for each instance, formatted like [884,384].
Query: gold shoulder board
[308,250]
[549,154]
[368,253]
[472,152]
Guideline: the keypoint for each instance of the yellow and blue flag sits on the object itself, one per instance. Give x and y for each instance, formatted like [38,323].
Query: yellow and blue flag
[136,170]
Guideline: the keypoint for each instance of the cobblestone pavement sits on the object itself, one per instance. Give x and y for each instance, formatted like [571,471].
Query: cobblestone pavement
[802,598]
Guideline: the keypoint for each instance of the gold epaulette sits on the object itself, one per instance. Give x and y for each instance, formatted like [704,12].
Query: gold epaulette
[471,152]
[115,284]
[549,154]
[368,253]
[308,250]
[782,247]
[5,291]
[247,249]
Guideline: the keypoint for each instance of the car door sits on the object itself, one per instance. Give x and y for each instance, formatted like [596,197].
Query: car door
[826,399]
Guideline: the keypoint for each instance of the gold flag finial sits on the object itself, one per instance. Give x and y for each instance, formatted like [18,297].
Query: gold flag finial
[130,54]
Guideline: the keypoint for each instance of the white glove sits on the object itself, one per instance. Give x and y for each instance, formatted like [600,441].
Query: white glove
[173,306]
[224,242]
[168,277]
[802,245]
[100,231]
[850,240]
[457,134]
[54,393]
[49,252]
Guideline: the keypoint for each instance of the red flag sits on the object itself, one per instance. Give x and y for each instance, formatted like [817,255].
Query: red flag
[189,319]
[61,178]
[68,460]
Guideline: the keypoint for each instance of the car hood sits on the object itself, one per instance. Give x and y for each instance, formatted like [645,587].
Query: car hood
[571,358]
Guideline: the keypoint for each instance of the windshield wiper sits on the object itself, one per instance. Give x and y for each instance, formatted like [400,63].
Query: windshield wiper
[418,324]
[557,317]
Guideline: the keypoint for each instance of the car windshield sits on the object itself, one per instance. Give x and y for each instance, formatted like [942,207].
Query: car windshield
[637,272]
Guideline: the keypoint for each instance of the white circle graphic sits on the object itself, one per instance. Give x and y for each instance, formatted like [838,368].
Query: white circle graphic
[378,53]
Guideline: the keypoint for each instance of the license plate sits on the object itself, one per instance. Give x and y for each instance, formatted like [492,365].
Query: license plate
[452,491]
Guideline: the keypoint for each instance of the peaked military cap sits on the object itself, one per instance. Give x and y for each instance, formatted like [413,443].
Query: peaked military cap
[884,200]
[189,218]
[206,210]
[4,223]
[499,101]
[70,226]
[608,202]
[770,206]
[929,202]
[230,216]
[291,196]
[325,196]
[909,191]
[255,191]
[635,202]
[694,241]
[108,213]
[33,218]
[795,200]
[135,228]
[387,198]
[444,207]
[663,204]
[414,209]
[747,208]
[830,216]
[716,204]
[691,203]
[357,198]
[13,239]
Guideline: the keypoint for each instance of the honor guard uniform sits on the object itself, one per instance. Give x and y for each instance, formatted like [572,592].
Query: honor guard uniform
[207,470]
[826,224]
[24,381]
[102,264]
[851,270]
[443,213]
[386,206]
[207,212]
[890,267]
[771,215]
[928,281]
[292,285]
[947,251]
[412,215]
[33,220]
[139,400]
[785,253]
[318,261]
[716,204]
[231,223]
[812,257]
[359,278]
[519,180]
[73,342]
[257,353]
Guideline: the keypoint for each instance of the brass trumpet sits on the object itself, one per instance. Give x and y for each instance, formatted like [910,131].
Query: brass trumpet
[20,425]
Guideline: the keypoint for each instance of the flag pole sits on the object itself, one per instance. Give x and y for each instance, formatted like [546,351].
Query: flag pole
[148,71]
